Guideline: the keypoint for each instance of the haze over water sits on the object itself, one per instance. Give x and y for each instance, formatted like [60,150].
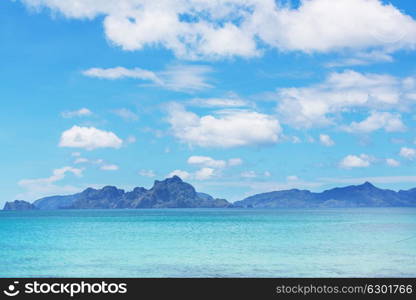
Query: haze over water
[209,243]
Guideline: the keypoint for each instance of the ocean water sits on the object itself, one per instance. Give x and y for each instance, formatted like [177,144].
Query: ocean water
[209,243]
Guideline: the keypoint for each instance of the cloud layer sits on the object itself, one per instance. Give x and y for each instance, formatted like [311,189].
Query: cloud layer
[211,29]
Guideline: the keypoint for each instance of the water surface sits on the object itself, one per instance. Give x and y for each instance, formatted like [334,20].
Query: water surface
[209,243]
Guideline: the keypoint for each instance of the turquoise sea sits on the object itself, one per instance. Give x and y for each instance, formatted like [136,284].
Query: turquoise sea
[209,243]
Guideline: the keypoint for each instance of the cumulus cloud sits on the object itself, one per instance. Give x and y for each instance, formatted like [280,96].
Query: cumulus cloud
[224,129]
[319,104]
[354,161]
[206,161]
[180,173]
[326,140]
[390,122]
[195,29]
[89,138]
[175,77]
[408,153]
[82,112]
[204,173]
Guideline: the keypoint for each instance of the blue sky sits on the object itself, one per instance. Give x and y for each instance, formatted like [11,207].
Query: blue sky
[236,97]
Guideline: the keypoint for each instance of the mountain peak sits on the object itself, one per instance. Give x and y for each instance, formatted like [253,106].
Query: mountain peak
[173,179]
[19,205]
[109,188]
[368,184]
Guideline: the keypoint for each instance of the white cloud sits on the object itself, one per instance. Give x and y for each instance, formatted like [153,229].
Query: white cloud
[325,25]
[83,112]
[320,104]
[36,188]
[224,129]
[208,167]
[392,162]
[212,29]
[126,114]
[83,160]
[121,72]
[206,161]
[75,154]
[408,153]
[148,173]
[109,167]
[390,122]
[326,140]
[175,77]
[204,173]
[89,138]
[182,174]
[354,161]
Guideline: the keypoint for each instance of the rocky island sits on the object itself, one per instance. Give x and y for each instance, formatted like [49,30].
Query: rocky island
[175,193]
[169,193]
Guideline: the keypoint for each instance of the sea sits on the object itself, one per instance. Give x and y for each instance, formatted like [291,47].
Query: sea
[356,242]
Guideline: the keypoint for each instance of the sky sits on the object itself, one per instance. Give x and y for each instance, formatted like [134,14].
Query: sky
[235,97]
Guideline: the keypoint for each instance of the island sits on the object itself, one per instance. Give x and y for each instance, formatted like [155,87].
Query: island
[175,193]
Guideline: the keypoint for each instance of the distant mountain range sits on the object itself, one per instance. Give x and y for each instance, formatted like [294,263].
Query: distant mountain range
[364,195]
[174,193]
